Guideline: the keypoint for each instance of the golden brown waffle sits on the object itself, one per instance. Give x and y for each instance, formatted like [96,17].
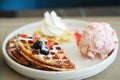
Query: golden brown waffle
[56,59]
[14,51]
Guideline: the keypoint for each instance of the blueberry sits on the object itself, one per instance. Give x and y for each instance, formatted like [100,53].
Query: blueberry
[38,45]
[44,50]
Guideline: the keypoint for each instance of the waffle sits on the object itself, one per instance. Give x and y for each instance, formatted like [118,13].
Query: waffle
[55,60]
[14,51]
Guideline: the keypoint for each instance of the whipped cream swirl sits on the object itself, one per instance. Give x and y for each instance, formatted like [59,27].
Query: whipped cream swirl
[52,24]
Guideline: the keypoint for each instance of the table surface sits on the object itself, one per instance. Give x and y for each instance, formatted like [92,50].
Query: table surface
[7,25]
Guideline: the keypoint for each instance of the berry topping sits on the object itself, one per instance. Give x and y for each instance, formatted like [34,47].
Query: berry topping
[36,38]
[58,56]
[38,45]
[77,37]
[50,44]
[24,35]
[43,49]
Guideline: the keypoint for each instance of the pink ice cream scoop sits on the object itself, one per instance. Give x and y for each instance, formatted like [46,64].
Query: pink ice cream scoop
[98,40]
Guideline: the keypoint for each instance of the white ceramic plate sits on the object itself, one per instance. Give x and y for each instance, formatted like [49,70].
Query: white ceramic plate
[85,67]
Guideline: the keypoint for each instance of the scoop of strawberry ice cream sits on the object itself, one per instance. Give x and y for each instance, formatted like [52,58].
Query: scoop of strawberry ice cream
[98,40]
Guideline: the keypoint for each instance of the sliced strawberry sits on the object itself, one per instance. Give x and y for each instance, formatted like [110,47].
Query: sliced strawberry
[36,38]
[50,47]
[24,35]
[50,43]
[77,37]
[58,56]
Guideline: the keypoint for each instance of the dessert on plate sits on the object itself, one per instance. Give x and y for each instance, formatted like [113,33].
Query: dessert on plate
[43,49]
[53,27]
[97,40]
[38,52]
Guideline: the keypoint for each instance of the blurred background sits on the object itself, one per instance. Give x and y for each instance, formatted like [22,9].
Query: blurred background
[65,8]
